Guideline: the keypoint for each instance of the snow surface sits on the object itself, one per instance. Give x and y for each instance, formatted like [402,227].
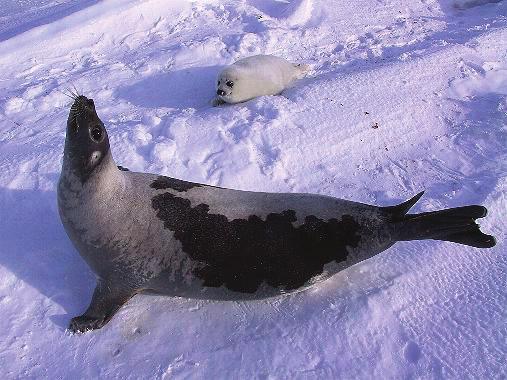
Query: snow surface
[404,96]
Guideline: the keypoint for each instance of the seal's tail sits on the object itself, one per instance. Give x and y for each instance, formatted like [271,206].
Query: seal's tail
[303,68]
[454,224]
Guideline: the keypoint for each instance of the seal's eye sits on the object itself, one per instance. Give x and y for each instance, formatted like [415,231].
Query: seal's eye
[218,84]
[230,83]
[96,134]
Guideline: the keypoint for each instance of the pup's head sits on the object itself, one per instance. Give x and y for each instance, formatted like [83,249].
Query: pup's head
[228,84]
[86,141]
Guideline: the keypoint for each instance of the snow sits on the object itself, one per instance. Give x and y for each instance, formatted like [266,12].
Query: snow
[403,96]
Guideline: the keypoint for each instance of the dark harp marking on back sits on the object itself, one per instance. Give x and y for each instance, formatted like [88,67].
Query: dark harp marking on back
[162,183]
[242,253]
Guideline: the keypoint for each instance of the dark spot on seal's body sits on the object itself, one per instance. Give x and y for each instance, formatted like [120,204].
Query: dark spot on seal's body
[162,183]
[123,169]
[242,253]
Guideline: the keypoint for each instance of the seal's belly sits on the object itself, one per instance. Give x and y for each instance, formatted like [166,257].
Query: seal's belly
[195,287]
[257,277]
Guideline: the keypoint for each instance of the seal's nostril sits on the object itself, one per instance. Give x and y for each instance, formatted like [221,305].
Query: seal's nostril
[221,92]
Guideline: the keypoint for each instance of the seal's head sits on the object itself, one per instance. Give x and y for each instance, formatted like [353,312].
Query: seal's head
[229,86]
[86,142]
[225,86]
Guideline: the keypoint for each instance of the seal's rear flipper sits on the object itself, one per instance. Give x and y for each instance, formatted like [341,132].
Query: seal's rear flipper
[399,211]
[303,68]
[215,102]
[454,224]
[473,238]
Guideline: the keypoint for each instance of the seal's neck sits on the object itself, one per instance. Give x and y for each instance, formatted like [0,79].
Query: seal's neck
[105,178]
[106,175]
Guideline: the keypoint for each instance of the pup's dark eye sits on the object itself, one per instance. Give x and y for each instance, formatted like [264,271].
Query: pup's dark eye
[218,84]
[96,133]
[230,83]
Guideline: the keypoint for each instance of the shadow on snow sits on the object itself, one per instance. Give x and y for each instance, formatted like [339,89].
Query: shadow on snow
[193,87]
[36,250]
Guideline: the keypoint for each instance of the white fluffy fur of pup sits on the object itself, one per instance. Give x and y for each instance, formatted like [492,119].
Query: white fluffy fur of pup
[256,76]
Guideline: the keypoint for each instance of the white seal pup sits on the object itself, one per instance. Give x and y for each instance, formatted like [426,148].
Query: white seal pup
[144,232]
[256,76]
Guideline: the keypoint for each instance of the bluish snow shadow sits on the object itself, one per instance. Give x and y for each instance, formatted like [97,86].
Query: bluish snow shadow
[193,87]
[34,13]
[35,248]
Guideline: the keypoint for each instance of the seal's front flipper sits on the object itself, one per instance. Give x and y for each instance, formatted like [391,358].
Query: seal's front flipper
[217,102]
[107,299]
[84,323]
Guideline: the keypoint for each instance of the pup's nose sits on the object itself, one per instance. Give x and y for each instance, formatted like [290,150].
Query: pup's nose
[221,92]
